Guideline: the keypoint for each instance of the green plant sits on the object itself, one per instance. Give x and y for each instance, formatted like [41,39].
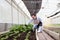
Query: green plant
[27,36]
[14,39]
[2,38]
[16,30]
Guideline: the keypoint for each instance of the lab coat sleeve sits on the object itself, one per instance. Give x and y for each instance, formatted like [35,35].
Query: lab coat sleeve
[29,21]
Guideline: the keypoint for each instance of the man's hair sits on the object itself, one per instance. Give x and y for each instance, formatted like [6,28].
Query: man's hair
[33,14]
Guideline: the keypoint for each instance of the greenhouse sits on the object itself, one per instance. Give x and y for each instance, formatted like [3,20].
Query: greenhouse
[16,15]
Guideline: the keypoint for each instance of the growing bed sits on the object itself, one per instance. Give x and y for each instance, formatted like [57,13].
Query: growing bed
[19,32]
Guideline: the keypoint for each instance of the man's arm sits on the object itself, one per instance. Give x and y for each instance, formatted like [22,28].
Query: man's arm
[29,21]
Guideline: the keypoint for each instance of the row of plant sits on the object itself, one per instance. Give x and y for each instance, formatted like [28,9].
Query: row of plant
[17,32]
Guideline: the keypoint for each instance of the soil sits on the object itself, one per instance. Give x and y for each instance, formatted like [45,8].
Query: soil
[32,36]
[23,36]
[10,38]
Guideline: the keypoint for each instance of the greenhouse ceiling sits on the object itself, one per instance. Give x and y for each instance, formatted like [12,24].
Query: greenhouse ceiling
[48,7]
[33,5]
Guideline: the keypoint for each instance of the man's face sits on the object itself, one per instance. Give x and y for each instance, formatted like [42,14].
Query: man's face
[34,17]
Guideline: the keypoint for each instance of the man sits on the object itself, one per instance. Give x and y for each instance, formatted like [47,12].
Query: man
[37,23]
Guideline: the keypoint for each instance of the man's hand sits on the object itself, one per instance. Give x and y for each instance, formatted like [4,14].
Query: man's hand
[25,25]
